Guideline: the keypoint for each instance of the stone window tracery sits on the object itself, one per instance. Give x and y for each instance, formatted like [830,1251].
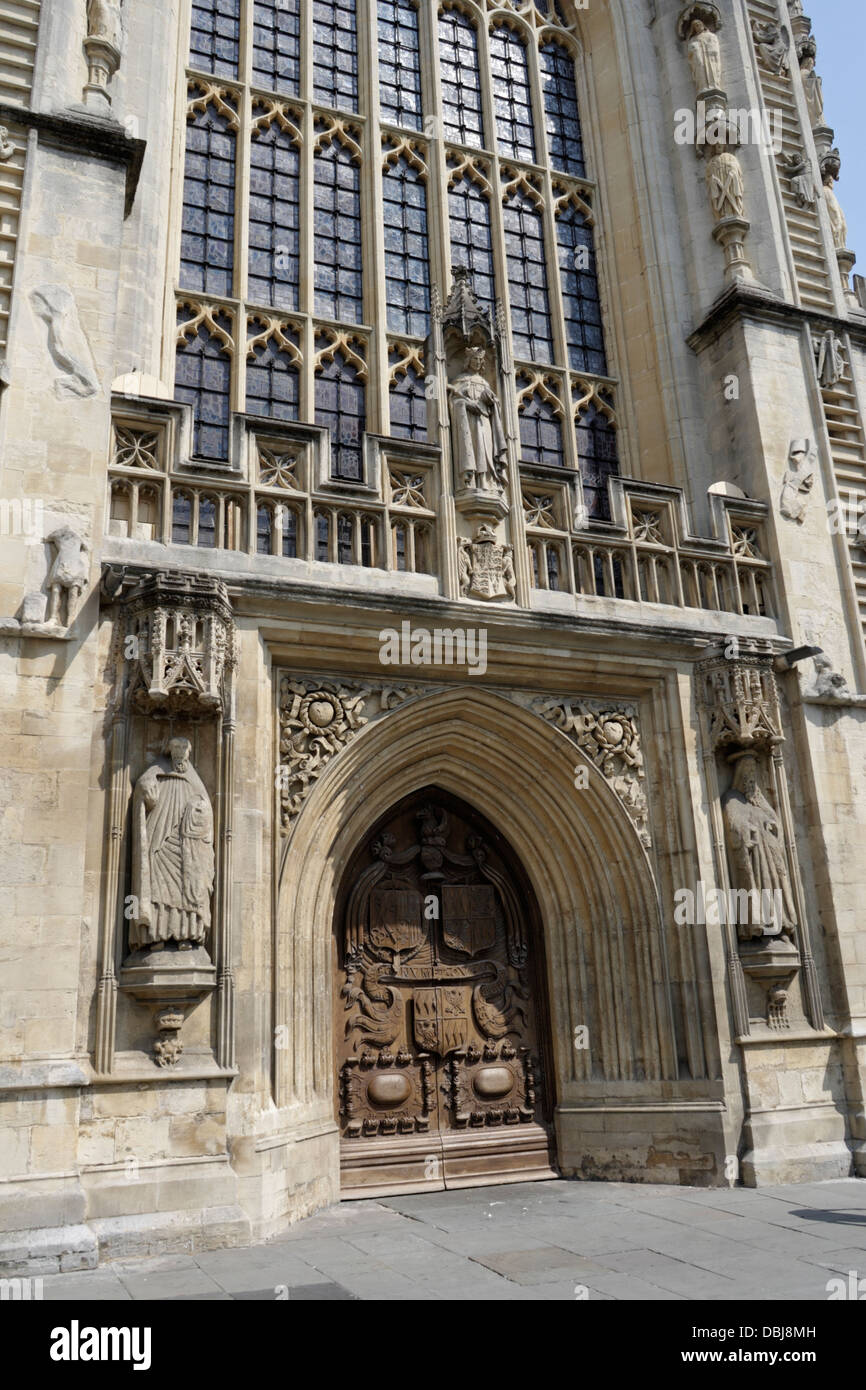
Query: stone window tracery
[330,141]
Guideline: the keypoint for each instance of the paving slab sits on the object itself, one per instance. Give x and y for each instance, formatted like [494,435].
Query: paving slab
[556,1240]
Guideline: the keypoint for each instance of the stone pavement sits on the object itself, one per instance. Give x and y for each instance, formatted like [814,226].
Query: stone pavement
[549,1240]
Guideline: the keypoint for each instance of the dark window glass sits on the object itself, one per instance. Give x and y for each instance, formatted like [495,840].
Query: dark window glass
[408,405]
[264,527]
[552,567]
[207,509]
[461,84]
[275,254]
[203,379]
[277,45]
[580,299]
[511,96]
[527,279]
[400,63]
[181,518]
[214,41]
[337,214]
[208,229]
[407,271]
[597,455]
[341,407]
[272,381]
[562,117]
[323,532]
[469,222]
[540,433]
[344,539]
[290,533]
[400,547]
[367,531]
[335,54]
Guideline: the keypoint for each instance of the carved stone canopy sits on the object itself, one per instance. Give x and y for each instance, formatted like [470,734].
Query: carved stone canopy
[706,12]
[742,701]
[179,637]
[463,318]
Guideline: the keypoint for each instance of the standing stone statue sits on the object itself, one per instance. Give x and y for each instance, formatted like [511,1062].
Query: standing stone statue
[838,222]
[798,480]
[480,449]
[103,21]
[725,185]
[813,89]
[172,853]
[757,853]
[68,574]
[705,57]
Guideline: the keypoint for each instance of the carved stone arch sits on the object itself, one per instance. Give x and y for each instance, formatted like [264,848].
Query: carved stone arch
[510,19]
[604,937]
[468,9]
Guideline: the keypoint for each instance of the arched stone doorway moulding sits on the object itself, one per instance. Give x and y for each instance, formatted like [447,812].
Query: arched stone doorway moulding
[603,936]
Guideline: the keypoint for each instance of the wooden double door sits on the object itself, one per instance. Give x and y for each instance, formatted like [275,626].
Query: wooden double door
[442,1061]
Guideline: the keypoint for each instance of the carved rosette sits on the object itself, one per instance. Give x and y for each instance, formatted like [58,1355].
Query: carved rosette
[609,735]
[317,719]
[180,638]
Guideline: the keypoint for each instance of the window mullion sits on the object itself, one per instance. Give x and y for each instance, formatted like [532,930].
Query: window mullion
[375,290]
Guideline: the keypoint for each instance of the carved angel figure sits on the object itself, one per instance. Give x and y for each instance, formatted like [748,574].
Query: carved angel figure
[68,574]
[814,90]
[172,853]
[798,480]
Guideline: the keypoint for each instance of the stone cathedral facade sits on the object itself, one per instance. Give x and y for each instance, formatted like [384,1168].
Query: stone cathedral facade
[432,604]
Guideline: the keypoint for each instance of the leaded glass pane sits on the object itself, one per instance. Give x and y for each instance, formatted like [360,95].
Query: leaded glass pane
[409,405]
[562,118]
[272,382]
[527,280]
[214,41]
[208,223]
[400,63]
[203,380]
[407,268]
[461,83]
[511,95]
[540,433]
[597,454]
[341,408]
[277,45]
[583,326]
[335,54]
[337,233]
[274,227]
[469,222]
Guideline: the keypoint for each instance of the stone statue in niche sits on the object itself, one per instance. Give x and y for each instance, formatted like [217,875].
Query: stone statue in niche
[725,185]
[813,87]
[756,850]
[67,576]
[104,22]
[798,480]
[705,57]
[831,165]
[172,853]
[480,448]
[829,359]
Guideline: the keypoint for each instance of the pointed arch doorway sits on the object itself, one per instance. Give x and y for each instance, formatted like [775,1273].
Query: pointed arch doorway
[443,1055]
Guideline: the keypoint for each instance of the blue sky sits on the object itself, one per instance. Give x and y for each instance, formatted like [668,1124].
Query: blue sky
[839,27]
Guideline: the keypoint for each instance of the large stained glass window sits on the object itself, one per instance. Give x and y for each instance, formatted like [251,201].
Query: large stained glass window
[342,157]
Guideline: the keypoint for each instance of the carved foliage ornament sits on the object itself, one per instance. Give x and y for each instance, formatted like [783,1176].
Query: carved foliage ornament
[609,735]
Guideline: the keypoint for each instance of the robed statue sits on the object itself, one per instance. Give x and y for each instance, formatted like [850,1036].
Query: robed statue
[757,853]
[172,853]
[478,437]
[705,57]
